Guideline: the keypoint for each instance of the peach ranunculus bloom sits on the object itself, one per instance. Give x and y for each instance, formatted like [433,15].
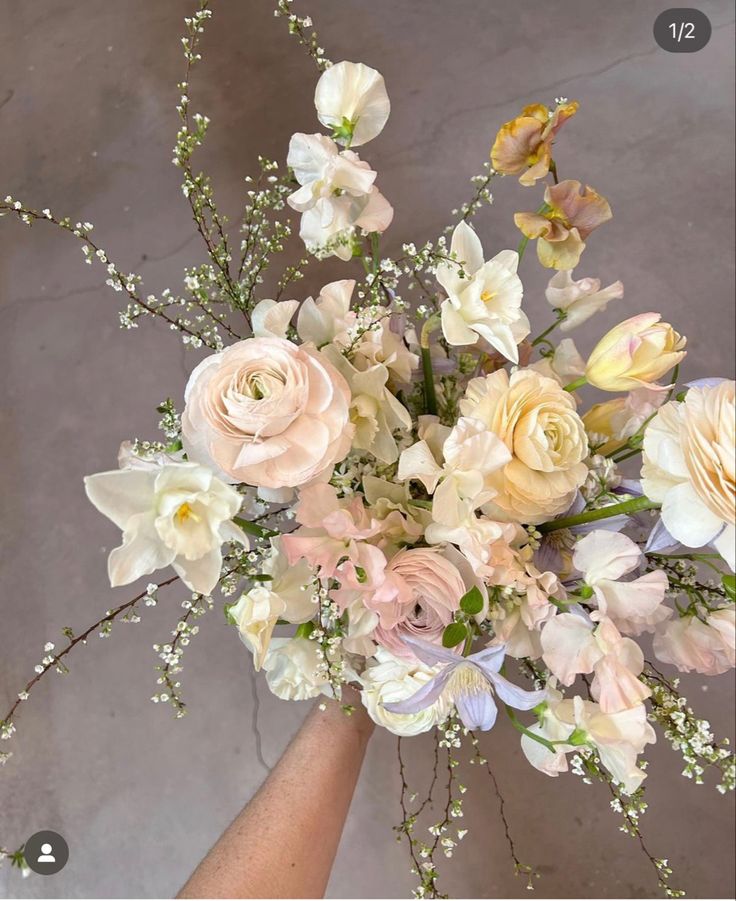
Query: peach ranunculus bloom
[524,145]
[634,354]
[268,413]
[571,213]
[689,467]
[537,421]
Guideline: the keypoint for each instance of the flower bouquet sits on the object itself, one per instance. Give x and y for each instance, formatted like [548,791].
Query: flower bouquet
[396,484]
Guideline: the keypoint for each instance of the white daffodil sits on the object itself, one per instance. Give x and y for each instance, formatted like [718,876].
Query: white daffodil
[580,299]
[337,195]
[351,99]
[483,298]
[178,514]
[603,557]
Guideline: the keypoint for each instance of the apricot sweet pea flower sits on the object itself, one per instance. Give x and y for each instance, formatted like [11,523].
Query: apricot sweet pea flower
[525,143]
[635,353]
[569,215]
[579,299]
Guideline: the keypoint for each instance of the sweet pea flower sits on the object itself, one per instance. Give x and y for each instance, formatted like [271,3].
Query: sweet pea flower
[571,213]
[603,557]
[610,424]
[689,467]
[483,298]
[565,365]
[635,354]
[467,683]
[351,99]
[696,646]
[580,299]
[572,643]
[525,143]
[337,195]
[271,318]
[176,514]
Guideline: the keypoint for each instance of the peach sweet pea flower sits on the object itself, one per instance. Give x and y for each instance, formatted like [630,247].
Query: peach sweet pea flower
[635,353]
[570,214]
[524,145]
[268,413]
[610,425]
[579,299]
[693,645]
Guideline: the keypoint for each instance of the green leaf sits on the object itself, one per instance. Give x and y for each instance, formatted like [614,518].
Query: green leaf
[454,634]
[472,601]
[228,616]
[729,585]
[304,630]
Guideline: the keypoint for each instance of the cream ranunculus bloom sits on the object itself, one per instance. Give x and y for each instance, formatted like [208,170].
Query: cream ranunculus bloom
[351,99]
[176,514]
[268,413]
[485,301]
[689,467]
[292,669]
[537,421]
[634,354]
[390,679]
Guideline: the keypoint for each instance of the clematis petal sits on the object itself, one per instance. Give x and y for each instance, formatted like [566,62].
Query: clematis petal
[477,710]
[514,696]
[431,654]
[423,698]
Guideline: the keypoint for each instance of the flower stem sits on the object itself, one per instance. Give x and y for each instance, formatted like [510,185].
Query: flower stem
[578,383]
[561,317]
[633,505]
[430,397]
[520,727]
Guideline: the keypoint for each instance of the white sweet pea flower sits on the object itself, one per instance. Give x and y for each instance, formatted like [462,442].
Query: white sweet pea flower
[329,317]
[564,366]
[271,318]
[485,301]
[579,299]
[178,514]
[603,557]
[351,99]
[337,195]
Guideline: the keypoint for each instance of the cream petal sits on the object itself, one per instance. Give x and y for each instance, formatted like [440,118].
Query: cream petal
[121,493]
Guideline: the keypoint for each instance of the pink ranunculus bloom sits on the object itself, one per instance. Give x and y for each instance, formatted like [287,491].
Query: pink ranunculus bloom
[703,647]
[268,413]
[421,590]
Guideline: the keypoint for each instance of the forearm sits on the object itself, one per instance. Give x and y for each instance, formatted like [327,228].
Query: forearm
[282,845]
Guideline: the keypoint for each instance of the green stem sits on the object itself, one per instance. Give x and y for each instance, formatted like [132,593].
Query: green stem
[621,457]
[522,247]
[578,383]
[561,317]
[520,727]
[430,397]
[633,505]
[250,528]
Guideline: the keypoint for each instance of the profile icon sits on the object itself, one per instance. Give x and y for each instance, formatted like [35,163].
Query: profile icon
[46,856]
[46,852]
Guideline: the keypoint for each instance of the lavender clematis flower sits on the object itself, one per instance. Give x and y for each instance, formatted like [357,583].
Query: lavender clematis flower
[467,682]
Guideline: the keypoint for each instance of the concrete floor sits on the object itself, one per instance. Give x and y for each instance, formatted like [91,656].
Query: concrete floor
[87,95]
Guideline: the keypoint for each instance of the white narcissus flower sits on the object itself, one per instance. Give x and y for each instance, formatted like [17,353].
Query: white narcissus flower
[486,300]
[351,99]
[580,299]
[603,557]
[390,679]
[178,515]
[689,466]
[292,669]
[337,195]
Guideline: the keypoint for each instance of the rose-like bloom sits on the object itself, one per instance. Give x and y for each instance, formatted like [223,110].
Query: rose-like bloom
[703,647]
[421,591]
[572,212]
[688,467]
[572,644]
[293,671]
[603,557]
[390,679]
[537,422]
[483,298]
[267,413]
[351,99]
[609,425]
[177,514]
[288,595]
[634,354]
[337,195]
[580,299]
[525,143]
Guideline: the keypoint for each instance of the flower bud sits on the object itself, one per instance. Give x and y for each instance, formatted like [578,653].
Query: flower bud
[635,353]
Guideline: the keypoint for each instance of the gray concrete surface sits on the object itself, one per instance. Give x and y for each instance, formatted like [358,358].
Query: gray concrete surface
[87,95]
